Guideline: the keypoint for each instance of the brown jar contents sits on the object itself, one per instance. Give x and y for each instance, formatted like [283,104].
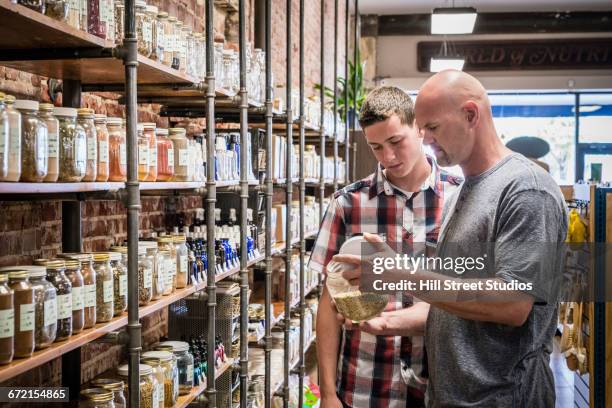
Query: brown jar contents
[7,321]
[73,272]
[24,316]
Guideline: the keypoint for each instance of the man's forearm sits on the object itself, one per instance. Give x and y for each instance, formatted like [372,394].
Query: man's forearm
[328,343]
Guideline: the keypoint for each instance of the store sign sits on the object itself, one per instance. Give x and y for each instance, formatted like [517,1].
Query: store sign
[595,53]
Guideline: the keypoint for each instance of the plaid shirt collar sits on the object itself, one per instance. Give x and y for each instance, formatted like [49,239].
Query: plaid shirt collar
[380,183]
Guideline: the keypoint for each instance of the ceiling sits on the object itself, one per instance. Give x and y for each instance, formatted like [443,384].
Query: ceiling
[493,6]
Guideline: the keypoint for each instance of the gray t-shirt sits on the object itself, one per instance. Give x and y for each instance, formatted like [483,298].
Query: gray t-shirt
[482,364]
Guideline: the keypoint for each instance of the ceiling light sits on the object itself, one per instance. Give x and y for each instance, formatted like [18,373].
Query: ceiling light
[457,20]
[438,64]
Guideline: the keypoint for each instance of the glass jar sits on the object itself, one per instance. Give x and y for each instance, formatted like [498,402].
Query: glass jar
[74,13]
[149,133]
[84,22]
[143,154]
[95,21]
[57,9]
[4,138]
[102,172]
[57,276]
[116,386]
[97,398]
[117,150]
[186,38]
[170,375]
[156,289]
[14,142]
[142,29]
[199,56]
[154,28]
[7,321]
[165,155]
[34,142]
[184,363]
[36,5]
[119,283]
[85,118]
[72,146]
[24,313]
[145,277]
[73,272]
[163,30]
[182,255]
[181,154]
[177,27]
[45,114]
[89,289]
[164,277]
[148,384]
[119,29]
[167,244]
[107,17]
[219,71]
[104,287]
[45,306]
[228,70]
[158,374]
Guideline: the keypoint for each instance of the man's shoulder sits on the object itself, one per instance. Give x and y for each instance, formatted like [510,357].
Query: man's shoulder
[359,186]
[452,179]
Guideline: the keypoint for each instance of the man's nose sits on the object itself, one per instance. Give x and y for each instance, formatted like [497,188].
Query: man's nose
[388,155]
[427,138]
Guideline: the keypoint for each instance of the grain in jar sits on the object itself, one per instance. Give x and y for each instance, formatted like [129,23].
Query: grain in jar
[117,151]
[158,374]
[24,313]
[165,155]
[7,321]
[145,276]
[167,362]
[72,146]
[102,172]
[148,130]
[57,276]
[184,363]
[14,142]
[119,282]
[4,138]
[104,287]
[45,114]
[116,386]
[143,154]
[96,398]
[147,384]
[34,142]
[182,264]
[57,9]
[45,308]
[85,118]
[181,154]
[73,272]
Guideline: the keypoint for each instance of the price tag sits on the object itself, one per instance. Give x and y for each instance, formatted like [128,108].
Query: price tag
[90,295]
[64,306]
[107,287]
[26,317]
[78,299]
[7,323]
[50,312]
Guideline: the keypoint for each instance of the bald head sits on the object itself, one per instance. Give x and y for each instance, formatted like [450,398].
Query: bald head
[452,88]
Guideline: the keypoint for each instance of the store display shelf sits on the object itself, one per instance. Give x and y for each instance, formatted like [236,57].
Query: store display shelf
[227,274]
[279,248]
[185,400]
[276,387]
[280,306]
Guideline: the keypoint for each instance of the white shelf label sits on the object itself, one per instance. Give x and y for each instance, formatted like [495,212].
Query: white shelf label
[64,306]
[148,278]
[153,156]
[122,155]
[143,155]
[122,285]
[26,317]
[107,287]
[183,157]
[52,145]
[90,295]
[92,152]
[50,312]
[183,263]
[7,323]
[78,299]
[103,153]
[170,157]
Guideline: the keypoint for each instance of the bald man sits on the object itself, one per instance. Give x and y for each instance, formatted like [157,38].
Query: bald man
[486,348]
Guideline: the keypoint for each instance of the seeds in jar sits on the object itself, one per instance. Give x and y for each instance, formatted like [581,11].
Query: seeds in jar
[359,306]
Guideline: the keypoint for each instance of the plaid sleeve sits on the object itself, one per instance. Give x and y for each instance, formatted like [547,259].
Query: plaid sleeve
[330,238]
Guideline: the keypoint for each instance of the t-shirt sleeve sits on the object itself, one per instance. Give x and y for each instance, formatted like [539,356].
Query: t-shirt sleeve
[529,242]
[330,238]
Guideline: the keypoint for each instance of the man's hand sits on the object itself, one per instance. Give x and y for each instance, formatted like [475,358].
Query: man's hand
[331,401]
[353,273]
[408,321]
[377,326]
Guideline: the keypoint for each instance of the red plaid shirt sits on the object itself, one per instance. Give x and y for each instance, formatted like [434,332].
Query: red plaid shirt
[370,367]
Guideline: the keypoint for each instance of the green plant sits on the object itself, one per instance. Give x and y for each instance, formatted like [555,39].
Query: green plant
[354,77]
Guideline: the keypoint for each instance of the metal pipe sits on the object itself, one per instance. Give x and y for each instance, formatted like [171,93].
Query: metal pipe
[302,194]
[260,24]
[269,194]
[347,135]
[322,129]
[355,62]
[211,199]
[130,61]
[244,196]
[335,95]
[288,197]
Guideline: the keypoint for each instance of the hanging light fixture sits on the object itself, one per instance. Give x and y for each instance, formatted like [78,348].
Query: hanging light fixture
[447,58]
[453,20]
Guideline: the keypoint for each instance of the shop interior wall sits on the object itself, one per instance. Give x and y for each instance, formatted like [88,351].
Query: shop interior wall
[32,230]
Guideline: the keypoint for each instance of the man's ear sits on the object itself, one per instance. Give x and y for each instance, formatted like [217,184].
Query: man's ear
[472,113]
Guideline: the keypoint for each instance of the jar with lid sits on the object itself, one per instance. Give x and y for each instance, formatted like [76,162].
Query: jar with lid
[200,56]
[13,145]
[102,172]
[89,288]
[182,264]
[186,37]
[85,118]
[24,303]
[143,154]
[145,277]
[119,29]
[72,146]
[185,365]
[142,30]
[164,277]
[95,21]
[162,41]
[117,150]
[165,155]
[104,287]
[73,272]
[170,375]
[163,352]
[181,154]
[153,255]
[4,138]
[177,28]
[83,13]
[57,276]
[154,28]
[119,282]
[167,244]
[149,134]
[219,71]
[228,70]
[45,114]
[107,17]
[7,321]
[34,142]
[96,398]
[148,384]
[57,9]
[158,374]
[116,386]
[36,5]
[73,17]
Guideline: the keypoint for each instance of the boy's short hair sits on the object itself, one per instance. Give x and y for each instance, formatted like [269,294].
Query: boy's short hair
[383,102]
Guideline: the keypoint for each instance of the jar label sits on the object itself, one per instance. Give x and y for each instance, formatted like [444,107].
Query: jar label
[52,145]
[7,323]
[143,155]
[161,273]
[3,131]
[183,157]
[122,285]
[50,312]
[26,317]
[14,138]
[160,392]
[155,396]
[107,287]
[77,298]
[103,153]
[168,273]
[153,157]
[190,373]
[148,278]
[122,155]
[170,157]
[183,263]
[64,306]
[91,149]
[90,295]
